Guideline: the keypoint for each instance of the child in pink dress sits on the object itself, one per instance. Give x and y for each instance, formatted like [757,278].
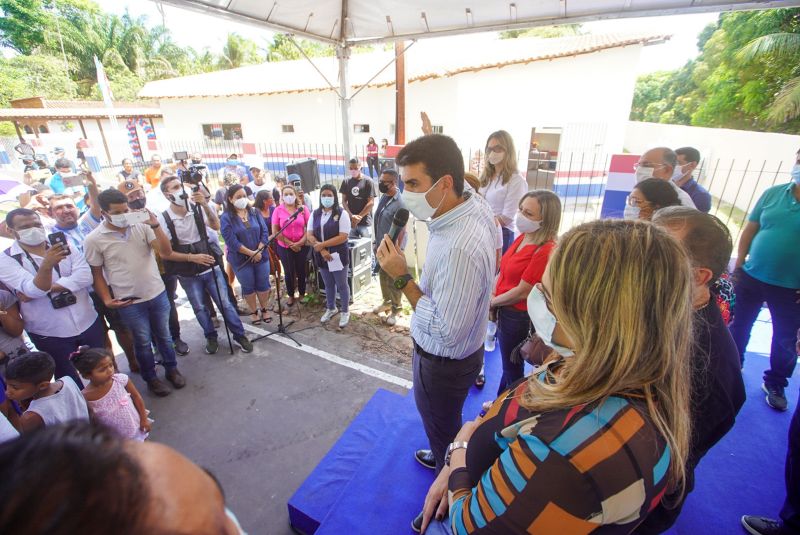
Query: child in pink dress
[113,400]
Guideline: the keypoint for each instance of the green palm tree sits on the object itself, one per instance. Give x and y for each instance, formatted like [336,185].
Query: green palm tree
[781,46]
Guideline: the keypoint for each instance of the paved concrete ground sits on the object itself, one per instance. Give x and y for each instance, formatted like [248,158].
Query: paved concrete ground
[261,421]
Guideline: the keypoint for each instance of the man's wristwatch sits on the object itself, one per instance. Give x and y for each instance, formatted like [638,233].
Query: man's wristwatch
[451,448]
[401,281]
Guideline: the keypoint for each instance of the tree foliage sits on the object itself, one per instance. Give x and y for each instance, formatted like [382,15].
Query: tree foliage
[546,32]
[745,77]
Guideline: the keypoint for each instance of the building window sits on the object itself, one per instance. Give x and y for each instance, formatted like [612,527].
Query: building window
[438,129]
[361,128]
[287,128]
[222,132]
[28,129]
[43,129]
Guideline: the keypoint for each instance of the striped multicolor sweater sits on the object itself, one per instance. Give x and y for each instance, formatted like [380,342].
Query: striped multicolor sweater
[597,468]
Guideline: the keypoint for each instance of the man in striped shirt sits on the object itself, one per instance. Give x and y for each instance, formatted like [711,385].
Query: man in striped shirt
[451,300]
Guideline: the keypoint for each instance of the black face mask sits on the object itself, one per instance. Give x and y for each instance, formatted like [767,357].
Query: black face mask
[383,188]
[138,204]
[195,162]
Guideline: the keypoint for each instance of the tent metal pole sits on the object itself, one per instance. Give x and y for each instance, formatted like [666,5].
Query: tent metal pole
[343,54]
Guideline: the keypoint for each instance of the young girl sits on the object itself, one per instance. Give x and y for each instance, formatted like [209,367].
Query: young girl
[113,399]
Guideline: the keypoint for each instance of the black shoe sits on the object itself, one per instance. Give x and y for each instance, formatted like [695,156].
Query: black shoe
[175,377]
[212,345]
[245,344]
[480,380]
[776,398]
[425,458]
[157,387]
[416,524]
[181,347]
[759,525]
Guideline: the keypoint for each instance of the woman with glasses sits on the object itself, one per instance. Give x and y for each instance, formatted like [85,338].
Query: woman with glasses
[521,267]
[648,196]
[501,183]
[593,440]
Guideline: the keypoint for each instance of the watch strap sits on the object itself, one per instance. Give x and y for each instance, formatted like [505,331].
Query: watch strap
[451,448]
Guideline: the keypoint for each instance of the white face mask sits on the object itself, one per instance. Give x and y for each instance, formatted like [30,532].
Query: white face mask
[525,225]
[643,173]
[544,322]
[32,236]
[795,174]
[678,173]
[417,203]
[119,220]
[289,199]
[631,212]
[241,203]
[178,197]
[495,158]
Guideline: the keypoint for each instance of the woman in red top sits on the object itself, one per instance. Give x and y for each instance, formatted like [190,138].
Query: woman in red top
[521,267]
[372,158]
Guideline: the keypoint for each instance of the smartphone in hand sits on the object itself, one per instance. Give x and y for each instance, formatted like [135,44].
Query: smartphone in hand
[139,216]
[59,237]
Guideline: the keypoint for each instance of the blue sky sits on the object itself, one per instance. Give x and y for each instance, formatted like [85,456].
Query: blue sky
[200,31]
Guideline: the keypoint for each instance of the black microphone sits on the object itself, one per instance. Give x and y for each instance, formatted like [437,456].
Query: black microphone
[298,212]
[398,223]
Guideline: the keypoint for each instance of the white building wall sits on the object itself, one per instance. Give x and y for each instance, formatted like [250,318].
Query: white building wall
[591,88]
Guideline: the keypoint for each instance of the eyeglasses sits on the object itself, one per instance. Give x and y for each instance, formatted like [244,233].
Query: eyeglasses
[495,148]
[633,201]
[638,165]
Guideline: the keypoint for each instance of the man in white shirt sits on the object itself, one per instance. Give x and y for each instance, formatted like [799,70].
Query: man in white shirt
[52,284]
[120,253]
[451,301]
[660,163]
[259,181]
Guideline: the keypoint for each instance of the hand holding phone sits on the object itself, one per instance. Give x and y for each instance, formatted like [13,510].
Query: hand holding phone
[59,238]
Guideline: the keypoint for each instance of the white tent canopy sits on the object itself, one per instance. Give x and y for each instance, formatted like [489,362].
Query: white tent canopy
[345,23]
[349,22]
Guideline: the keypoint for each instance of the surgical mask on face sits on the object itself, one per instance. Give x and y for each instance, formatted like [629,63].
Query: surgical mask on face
[240,203]
[355,173]
[544,322]
[327,202]
[495,158]
[138,204]
[796,174]
[232,163]
[418,205]
[525,225]
[118,220]
[177,198]
[643,173]
[32,236]
[631,212]
[678,173]
[289,199]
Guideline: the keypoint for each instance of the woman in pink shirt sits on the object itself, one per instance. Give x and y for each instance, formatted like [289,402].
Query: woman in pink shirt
[372,158]
[292,248]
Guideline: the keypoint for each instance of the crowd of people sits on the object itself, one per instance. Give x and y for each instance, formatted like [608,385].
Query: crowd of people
[636,329]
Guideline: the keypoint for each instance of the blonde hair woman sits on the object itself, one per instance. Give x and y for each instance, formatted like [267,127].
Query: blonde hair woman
[521,267]
[501,184]
[593,440]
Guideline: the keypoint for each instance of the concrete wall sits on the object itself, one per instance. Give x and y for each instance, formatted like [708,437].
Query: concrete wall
[737,165]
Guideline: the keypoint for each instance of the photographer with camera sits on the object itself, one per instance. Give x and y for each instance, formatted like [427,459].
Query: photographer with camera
[194,259]
[52,284]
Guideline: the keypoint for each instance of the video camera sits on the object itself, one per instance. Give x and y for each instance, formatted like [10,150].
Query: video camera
[62,299]
[194,173]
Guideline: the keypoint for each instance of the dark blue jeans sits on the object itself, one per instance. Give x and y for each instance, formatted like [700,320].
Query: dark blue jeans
[200,286]
[785,312]
[508,239]
[512,328]
[149,320]
[790,513]
[60,348]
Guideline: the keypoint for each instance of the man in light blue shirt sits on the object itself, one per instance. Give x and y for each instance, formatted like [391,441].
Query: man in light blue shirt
[768,269]
[451,300]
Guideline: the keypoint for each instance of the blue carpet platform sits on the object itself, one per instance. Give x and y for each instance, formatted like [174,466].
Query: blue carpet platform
[369,482]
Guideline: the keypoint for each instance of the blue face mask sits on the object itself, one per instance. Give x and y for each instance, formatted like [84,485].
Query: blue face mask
[327,202]
[233,162]
[796,174]
[544,322]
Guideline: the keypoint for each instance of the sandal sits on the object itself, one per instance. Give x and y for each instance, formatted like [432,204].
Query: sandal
[265,317]
[255,319]
[290,301]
